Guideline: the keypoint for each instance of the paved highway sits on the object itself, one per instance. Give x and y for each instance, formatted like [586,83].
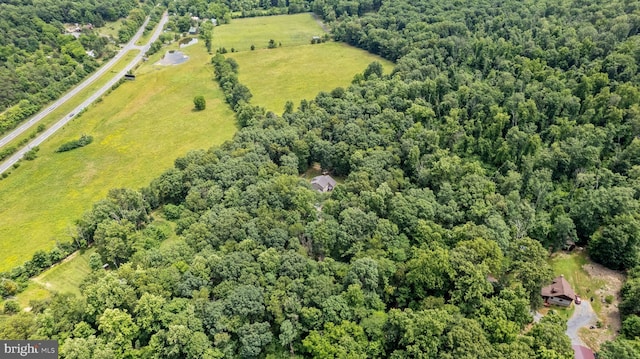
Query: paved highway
[68,117]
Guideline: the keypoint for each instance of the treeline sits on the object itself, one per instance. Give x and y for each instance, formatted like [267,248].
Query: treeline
[226,73]
[15,114]
[482,150]
[136,18]
[39,61]
[73,144]
[222,10]
[627,344]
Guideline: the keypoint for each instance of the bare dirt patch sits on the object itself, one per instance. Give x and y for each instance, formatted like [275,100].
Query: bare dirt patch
[609,313]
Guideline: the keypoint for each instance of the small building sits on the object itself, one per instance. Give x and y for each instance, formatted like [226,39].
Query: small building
[193,30]
[582,352]
[558,293]
[569,245]
[323,183]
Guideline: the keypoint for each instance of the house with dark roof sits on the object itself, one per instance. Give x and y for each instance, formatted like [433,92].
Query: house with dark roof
[559,292]
[323,183]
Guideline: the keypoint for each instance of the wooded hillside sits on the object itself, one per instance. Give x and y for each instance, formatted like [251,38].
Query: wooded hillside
[506,129]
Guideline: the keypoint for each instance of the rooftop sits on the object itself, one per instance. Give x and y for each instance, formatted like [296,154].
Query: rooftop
[559,286]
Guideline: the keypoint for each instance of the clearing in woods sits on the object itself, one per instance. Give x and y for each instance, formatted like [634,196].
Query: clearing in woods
[296,70]
[591,280]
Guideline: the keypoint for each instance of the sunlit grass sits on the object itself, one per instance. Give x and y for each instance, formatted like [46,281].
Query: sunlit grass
[278,75]
[571,266]
[138,131]
[288,30]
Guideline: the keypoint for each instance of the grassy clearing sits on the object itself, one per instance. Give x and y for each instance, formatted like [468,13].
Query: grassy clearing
[62,110]
[65,277]
[275,76]
[571,266]
[138,131]
[295,71]
[111,28]
[289,30]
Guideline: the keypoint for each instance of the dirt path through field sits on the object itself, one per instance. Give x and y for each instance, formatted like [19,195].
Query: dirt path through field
[321,23]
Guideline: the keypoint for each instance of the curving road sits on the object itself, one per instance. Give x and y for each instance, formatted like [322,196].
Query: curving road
[68,117]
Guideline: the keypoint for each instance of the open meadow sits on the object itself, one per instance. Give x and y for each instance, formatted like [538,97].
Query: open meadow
[287,30]
[276,76]
[138,131]
[295,71]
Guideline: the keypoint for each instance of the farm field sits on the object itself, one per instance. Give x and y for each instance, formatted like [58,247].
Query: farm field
[288,30]
[295,71]
[138,131]
[276,76]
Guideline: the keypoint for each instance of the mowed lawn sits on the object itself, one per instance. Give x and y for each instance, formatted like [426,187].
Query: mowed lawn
[572,267]
[276,76]
[64,277]
[138,130]
[287,30]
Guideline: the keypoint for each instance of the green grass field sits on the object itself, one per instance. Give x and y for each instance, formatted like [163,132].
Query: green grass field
[571,266]
[66,276]
[275,76]
[289,30]
[295,71]
[111,28]
[138,130]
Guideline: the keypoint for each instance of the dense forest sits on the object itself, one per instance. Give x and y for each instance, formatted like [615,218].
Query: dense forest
[39,60]
[505,129]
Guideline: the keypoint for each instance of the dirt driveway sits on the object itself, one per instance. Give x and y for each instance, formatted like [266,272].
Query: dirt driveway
[583,317]
[609,315]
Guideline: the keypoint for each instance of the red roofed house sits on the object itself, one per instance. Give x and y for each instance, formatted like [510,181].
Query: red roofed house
[582,352]
[558,293]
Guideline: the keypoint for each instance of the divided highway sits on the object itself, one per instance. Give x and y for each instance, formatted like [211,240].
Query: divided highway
[69,116]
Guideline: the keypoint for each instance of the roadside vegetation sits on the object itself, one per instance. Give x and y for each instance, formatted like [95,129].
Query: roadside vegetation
[42,60]
[146,123]
[60,111]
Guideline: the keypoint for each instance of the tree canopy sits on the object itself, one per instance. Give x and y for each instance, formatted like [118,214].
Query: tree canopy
[505,129]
